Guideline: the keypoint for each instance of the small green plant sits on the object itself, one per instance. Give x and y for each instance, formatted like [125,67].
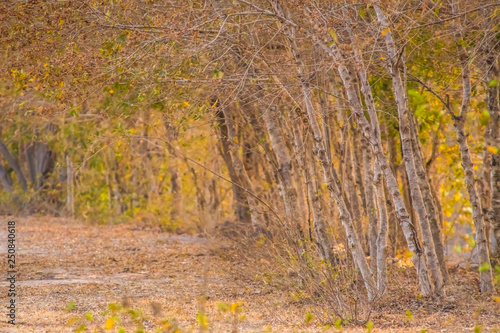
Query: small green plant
[497,274]
[484,267]
[369,327]
[409,315]
[338,324]
[70,306]
[309,317]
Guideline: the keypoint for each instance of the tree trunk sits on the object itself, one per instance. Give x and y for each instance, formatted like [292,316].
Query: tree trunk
[255,217]
[370,206]
[382,231]
[173,169]
[486,280]
[306,165]
[430,207]
[240,202]
[70,195]
[287,188]
[14,165]
[492,140]
[5,179]
[353,199]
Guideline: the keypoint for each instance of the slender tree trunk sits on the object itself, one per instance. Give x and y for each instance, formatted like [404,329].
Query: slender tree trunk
[370,207]
[486,280]
[382,231]
[395,233]
[173,170]
[353,199]
[306,165]
[358,143]
[70,195]
[287,190]
[255,217]
[492,139]
[425,188]
[175,189]
[240,202]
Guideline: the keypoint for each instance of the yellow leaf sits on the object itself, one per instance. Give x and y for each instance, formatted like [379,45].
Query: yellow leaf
[386,30]
[111,91]
[109,323]
[493,150]
[72,321]
[408,254]
[496,299]
[186,104]
[235,306]
[333,35]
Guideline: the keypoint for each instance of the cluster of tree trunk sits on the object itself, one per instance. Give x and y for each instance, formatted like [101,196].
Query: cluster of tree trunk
[306,134]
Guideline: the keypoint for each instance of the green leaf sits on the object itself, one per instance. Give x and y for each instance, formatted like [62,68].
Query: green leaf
[484,267]
[70,306]
[217,74]
[409,315]
[309,317]
[222,306]
[493,83]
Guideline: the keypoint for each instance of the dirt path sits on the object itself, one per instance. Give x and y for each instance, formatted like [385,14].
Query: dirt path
[62,263]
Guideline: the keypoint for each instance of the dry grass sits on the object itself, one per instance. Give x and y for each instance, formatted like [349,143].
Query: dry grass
[63,261]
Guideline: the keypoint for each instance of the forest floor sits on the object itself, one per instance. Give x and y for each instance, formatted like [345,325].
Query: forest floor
[68,269]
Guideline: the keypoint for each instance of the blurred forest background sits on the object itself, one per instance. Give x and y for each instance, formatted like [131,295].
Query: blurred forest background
[350,135]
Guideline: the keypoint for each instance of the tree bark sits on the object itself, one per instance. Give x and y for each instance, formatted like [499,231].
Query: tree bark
[492,140]
[255,216]
[306,165]
[486,280]
[240,202]
[288,191]
[430,207]
[371,210]
[5,179]
[14,165]
[382,231]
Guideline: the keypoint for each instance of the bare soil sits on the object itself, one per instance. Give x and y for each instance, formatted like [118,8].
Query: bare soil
[62,262]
